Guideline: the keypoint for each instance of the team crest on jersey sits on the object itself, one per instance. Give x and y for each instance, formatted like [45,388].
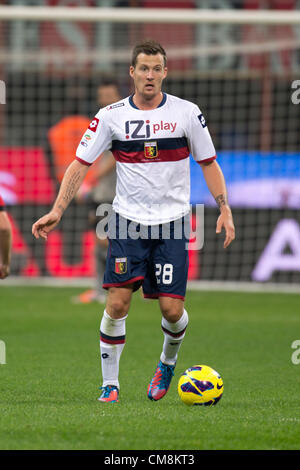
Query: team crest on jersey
[120,265]
[150,149]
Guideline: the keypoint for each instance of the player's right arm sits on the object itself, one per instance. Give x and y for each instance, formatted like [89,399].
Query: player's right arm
[96,139]
[70,184]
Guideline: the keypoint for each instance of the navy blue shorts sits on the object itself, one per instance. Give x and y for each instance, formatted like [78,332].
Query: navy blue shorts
[155,257]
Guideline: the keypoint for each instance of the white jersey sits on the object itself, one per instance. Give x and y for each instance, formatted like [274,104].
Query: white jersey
[151,148]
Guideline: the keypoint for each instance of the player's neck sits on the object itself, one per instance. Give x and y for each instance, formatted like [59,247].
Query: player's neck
[144,104]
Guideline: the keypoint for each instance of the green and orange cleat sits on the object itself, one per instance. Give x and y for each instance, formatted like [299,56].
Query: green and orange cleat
[160,382]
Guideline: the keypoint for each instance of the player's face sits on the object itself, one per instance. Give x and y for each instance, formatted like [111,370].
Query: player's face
[148,75]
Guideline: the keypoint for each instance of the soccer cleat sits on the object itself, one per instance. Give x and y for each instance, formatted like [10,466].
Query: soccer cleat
[160,382]
[110,394]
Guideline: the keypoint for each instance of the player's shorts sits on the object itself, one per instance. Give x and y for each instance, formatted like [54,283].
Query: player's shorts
[155,257]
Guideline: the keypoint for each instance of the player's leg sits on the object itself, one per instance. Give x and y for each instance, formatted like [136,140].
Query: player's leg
[112,339]
[125,270]
[174,322]
[170,266]
[126,266]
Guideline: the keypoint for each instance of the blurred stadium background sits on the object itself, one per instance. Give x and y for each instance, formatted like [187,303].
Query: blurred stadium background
[243,75]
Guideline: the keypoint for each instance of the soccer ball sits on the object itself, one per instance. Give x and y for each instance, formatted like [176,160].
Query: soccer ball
[200,385]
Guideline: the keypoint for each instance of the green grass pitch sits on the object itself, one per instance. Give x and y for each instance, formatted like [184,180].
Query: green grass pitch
[48,386]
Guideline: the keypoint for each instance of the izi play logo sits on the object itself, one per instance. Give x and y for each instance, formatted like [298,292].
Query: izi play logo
[139,129]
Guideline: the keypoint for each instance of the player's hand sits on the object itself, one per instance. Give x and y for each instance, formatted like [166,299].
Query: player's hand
[4,270]
[45,224]
[225,221]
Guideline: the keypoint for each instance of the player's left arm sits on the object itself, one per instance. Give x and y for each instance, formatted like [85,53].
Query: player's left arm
[216,184]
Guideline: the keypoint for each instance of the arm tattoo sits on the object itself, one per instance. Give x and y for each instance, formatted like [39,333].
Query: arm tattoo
[221,200]
[71,187]
[61,208]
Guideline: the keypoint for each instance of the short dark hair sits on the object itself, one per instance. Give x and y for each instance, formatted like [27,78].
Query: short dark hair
[148,47]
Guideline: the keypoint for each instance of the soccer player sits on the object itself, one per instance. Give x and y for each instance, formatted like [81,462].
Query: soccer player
[151,135]
[5,241]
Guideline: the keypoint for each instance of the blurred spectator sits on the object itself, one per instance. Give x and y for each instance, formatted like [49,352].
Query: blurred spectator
[5,241]
[65,135]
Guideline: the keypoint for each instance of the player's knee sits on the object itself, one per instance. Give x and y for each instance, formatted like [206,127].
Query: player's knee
[117,306]
[171,308]
[172,313]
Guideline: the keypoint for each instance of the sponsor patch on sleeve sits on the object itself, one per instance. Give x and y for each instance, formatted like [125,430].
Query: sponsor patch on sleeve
[94,124]
[202,120]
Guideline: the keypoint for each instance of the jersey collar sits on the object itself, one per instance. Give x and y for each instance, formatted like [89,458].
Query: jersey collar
[164,99]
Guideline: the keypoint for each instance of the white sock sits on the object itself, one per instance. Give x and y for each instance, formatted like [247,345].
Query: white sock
[174,334]
[112,342]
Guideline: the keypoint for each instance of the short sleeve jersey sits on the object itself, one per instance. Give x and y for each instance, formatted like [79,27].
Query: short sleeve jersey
[152,149]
